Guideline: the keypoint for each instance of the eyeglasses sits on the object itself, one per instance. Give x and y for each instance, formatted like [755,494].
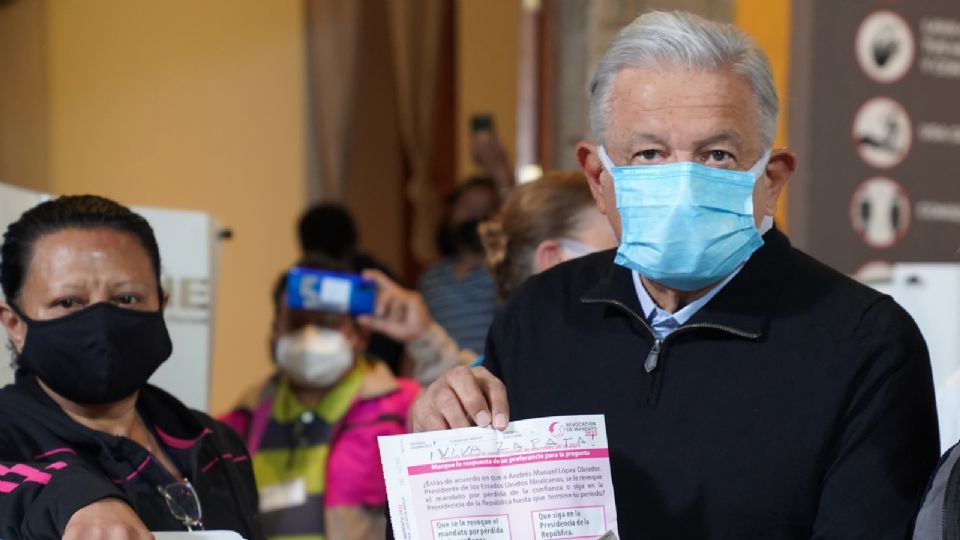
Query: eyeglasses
[183,503]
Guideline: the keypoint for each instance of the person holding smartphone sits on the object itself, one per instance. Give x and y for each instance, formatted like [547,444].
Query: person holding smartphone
[312,428]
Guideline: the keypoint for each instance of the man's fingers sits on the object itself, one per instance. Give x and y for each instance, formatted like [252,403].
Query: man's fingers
[375,275]
[425,417]
[462,397]
[496,394]
[447,402]
[386,303]
[377,325]
[387,306]
[385,288]
[470,393]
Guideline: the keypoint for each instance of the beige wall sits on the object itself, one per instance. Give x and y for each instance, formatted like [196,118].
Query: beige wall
[186,104]
[769,22]
[24,122]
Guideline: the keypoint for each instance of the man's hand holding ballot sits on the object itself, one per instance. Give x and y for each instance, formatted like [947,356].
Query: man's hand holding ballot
[462,397]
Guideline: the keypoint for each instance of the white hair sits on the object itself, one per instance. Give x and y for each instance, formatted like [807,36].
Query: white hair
[661,39]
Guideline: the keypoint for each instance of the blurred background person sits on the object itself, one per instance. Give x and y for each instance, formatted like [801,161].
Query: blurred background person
[543,223]
[488,153]
[96,448]
[312,428]
[457,289]
[328,229]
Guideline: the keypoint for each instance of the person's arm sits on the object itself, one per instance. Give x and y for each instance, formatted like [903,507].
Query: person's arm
[887,443]
[356,522]
[106,519]
[489,154]
[402,315]
[433,352]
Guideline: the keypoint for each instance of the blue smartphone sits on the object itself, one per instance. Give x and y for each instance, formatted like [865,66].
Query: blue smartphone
[320,290]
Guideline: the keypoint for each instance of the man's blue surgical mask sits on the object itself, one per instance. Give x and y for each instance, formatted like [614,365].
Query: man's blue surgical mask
[685,225]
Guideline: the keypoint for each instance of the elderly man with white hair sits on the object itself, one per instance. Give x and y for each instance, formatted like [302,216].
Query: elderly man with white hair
[749,390]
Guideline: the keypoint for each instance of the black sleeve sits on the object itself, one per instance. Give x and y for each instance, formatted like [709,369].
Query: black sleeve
[240,475]
[491,356]
[502,343]
[38,498]
[887,441]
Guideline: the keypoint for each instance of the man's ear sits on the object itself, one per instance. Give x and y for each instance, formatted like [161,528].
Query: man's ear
[548,254]
[14,326]
[164,299]
[778,172]
[589,161]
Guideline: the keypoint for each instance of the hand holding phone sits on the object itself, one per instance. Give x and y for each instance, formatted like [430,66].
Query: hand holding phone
[320,290]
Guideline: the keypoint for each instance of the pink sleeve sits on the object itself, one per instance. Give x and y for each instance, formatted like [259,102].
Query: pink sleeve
[239,421]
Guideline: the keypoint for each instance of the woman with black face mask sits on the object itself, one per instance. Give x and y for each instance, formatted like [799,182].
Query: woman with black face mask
[457,289]
[88,449]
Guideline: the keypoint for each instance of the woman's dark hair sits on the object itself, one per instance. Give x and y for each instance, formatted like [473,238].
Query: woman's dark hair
[67,212]
[327,228]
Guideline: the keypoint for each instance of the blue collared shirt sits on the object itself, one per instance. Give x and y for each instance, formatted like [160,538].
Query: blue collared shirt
[662,321]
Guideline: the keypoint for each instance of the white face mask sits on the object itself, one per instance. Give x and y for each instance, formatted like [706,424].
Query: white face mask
[314,357]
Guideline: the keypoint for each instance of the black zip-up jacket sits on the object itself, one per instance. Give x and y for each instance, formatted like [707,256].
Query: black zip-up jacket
[796,403]
[52,466]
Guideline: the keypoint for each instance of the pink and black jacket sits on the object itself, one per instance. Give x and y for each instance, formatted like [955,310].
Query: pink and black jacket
[51,466]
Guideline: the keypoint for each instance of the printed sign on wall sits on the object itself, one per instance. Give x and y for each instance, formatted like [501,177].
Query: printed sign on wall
[877,130]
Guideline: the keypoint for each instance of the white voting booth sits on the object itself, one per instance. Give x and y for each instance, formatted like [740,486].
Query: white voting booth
[188,252]
[930,292]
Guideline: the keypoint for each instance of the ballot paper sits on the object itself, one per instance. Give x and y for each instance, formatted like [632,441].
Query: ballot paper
[541,479]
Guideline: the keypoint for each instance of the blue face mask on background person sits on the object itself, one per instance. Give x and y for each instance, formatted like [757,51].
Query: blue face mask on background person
[685,225]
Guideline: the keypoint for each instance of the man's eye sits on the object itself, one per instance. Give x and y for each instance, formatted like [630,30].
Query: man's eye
[67,303]
[719,155]
[648,155]
[126,299]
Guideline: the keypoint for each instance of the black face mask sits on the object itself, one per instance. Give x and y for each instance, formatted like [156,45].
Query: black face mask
[468,236]
[97,355]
